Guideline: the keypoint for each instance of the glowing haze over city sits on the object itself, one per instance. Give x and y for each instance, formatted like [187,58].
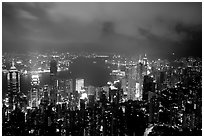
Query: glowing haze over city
[101,69]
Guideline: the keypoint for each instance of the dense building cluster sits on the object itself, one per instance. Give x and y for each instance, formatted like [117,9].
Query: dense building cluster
[145,98]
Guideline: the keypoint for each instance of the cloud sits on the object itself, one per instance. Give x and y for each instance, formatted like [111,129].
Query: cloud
[26,15]
[117,25]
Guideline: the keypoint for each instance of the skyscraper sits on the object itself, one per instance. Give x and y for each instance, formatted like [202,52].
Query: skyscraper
[145,63]
[34,91]
[131,80]
[79,85]
[140,78]
[53,80]
[65,87]
[69,86]
[53,67]
[91,95]
[13,77]
[46,93]
[148,86]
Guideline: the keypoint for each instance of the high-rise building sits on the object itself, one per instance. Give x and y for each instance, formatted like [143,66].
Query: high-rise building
[151,97]
[98,90]
[107,90]
[53,67]
[161,80]
[53,80]
[124,87]
[46,92]
[13,77]
[34,98]
[91,95]
[65,87]
[131,81]
[40,94]
[148,86]
[114,96]
[153,108]
[79,85]
[69,86]
[91,90]
[61,90]
[145,62]
[138,95]
[140,78]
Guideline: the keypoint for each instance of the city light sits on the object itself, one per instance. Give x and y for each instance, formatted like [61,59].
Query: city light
[35,76]
[79,84]
[84,96]
[105,69]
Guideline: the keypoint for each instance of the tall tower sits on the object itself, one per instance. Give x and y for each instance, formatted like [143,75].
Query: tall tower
[145,64]
[53,67]
[140,70]
[53,80]
[46,93]
[131,84]
[34,101]
[13,77]
[145,60]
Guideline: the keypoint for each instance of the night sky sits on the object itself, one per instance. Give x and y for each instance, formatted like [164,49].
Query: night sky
[158,29]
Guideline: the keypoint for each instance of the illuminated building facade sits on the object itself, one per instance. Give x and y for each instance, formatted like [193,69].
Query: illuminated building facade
[46,93]
[130,83]
[145,62]
[91,90]
[139,80]
[137,91]
[79,85]
[69,86]
[107,90]
[34,98]
[13,78]
[91,96]
[124,87]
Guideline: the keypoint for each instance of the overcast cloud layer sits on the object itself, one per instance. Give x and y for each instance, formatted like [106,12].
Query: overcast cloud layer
[157,29]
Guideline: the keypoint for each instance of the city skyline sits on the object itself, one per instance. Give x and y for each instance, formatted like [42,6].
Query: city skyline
[141,91]
[159,29]
[101,69]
